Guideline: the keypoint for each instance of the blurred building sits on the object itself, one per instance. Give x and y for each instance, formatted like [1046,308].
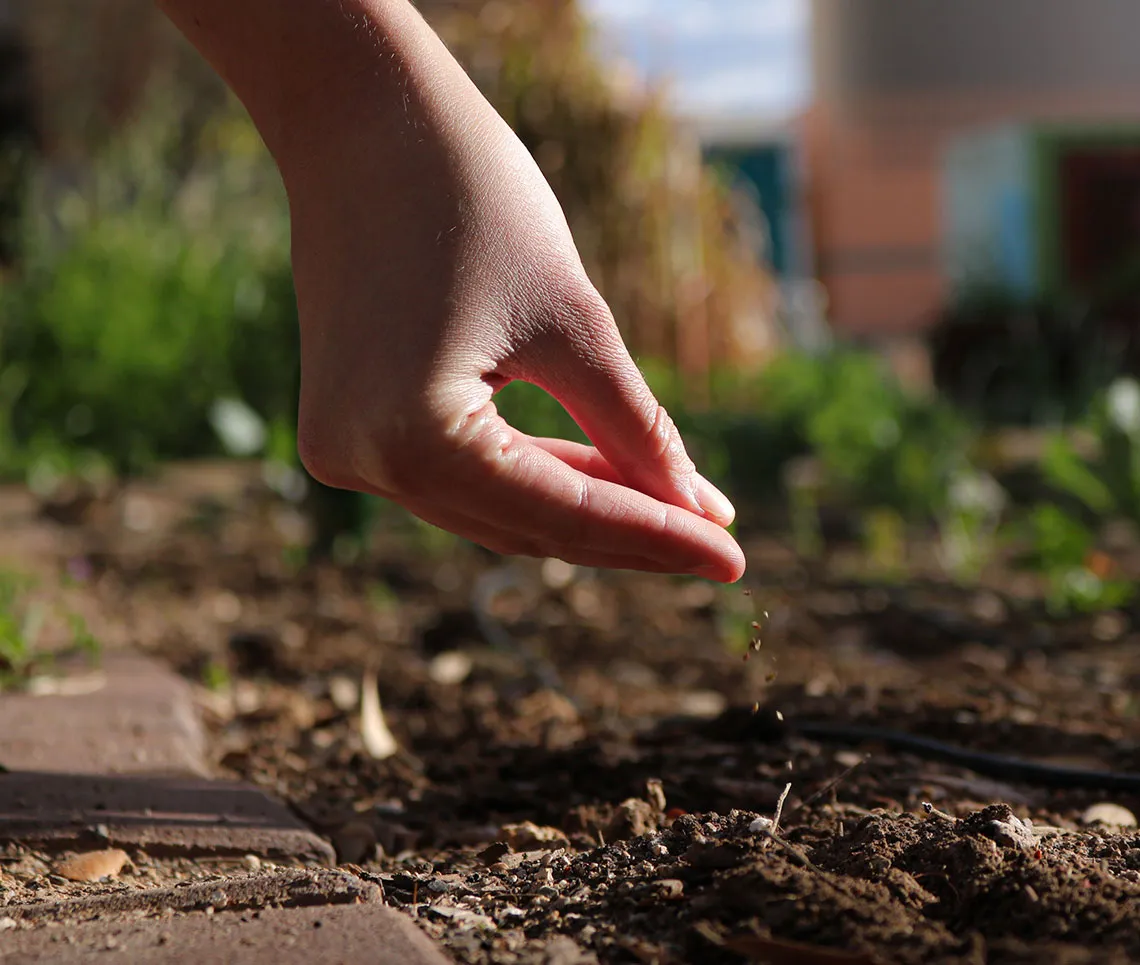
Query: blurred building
[762,159]
[897,85]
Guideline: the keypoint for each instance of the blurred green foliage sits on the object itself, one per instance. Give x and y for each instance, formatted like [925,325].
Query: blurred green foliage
[23,618]
[152,300]
[145,294]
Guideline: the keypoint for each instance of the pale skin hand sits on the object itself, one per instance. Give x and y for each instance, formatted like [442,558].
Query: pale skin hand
[433,265]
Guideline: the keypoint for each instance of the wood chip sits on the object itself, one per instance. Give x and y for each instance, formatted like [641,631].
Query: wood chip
[378,739]
[93,865]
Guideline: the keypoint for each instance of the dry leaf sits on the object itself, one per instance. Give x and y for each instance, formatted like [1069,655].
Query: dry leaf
[378,739]
[93,865]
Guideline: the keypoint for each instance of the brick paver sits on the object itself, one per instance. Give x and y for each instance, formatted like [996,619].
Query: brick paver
[330,918]
[142,720]
[125,767]
[163,816]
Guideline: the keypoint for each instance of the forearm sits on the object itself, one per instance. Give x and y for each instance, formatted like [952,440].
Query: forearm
[310,71]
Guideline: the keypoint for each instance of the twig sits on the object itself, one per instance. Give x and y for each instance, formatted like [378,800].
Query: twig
[779,810]
[934,812]
[797,856]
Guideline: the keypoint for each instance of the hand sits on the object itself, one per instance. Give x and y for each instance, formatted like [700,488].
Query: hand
[433,265]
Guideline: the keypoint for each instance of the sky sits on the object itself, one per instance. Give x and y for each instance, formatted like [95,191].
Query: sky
[719,57]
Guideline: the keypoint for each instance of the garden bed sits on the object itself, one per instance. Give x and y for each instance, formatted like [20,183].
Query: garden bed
[617,714]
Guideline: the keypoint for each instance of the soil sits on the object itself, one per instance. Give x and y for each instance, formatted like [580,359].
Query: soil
[590,763]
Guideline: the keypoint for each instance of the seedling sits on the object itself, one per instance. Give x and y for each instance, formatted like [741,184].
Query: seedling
[23,622]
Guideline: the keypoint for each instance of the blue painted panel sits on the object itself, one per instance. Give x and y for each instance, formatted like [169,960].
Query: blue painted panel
[766,170]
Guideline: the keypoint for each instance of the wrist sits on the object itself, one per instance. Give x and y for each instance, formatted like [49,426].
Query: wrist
[316,74]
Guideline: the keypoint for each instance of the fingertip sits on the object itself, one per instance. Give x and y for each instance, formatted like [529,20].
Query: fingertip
[728,568]
[715,505]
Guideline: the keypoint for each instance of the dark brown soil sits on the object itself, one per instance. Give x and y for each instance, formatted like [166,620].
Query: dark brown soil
[617,714]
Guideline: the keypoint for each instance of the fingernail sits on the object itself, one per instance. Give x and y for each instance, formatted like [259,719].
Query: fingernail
[714,503]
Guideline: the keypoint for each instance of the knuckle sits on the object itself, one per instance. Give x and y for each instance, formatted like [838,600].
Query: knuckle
[665,445]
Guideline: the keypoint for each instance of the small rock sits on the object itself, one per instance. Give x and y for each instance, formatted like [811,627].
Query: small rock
[848,758]
[1010,834]
[669,889]
[558,574]
[252,862]
[494,852]
[463,917]
[760,824]
[655,794]
[7,923]
[633,818]
[528,836]
[344,693]
[565,951]
[93,865]
[450,668]
[1112,815]
[355,843]
[704,704]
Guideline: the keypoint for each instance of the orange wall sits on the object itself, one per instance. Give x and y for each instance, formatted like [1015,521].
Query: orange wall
[874,193]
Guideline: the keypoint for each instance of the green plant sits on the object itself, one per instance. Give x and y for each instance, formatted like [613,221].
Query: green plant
[1104,482]
[1062,549]
[968,523]
[146,293]
[23,621]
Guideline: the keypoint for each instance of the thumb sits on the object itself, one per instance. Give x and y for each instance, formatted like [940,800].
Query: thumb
[588,369]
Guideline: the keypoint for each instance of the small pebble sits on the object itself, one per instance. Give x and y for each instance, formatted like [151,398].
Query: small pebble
[528,836]
[1113,815]
[355,843]
[450,668]
[93,865]
[344,693]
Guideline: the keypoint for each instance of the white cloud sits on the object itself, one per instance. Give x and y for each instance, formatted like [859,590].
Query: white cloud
[719,55]
[760,19]
[764,88]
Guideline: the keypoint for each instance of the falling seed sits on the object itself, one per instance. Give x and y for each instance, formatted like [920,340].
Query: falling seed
[747,592]
[756,707]
[770,677]
[779,715]
[755,624]
[93,865]
[747,654]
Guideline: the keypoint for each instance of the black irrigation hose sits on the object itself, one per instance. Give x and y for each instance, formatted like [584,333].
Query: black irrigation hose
[998,766]
[746,725]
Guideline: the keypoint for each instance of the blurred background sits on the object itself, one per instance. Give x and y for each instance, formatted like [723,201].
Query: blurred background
[881,260]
